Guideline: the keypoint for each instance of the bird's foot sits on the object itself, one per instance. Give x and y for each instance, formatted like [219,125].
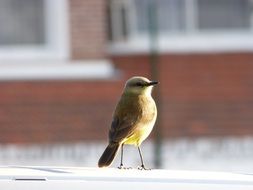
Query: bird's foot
[142,167]
[123,167]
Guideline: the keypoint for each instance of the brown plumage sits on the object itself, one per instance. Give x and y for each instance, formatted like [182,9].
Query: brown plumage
[133,119]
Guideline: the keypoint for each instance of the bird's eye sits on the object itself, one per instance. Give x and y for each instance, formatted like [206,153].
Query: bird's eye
[138,84]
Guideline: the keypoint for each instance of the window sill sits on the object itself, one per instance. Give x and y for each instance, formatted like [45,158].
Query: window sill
[225,42]
[74,70]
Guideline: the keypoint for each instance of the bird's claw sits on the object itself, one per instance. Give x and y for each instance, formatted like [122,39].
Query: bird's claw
[142,167]
[124,168]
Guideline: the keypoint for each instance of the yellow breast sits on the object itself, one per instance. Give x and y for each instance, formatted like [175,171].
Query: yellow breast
[141,133]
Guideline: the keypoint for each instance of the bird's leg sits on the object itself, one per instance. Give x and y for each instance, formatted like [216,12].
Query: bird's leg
[142,167]
[121,159]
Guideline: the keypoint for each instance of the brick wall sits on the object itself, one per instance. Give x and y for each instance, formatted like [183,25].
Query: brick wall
[55,111]
[202,95]
[87,28]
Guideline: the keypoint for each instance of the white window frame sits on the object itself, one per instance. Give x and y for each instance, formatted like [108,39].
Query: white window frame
[52,61]
[57,37]
[192,41]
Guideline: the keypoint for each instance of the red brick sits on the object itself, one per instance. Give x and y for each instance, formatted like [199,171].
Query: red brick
[88,28]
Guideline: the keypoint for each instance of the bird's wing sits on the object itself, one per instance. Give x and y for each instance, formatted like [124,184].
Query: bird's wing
[120,130]
[124,121]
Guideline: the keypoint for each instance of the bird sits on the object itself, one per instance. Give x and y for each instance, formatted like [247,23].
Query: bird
[133,120]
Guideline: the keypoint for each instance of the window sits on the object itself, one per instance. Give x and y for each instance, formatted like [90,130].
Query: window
[170,15]
[32,29]
[224,14]
[34,44]
[186,22]
[22,22]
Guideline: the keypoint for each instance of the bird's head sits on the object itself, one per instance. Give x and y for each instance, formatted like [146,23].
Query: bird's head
[139,85]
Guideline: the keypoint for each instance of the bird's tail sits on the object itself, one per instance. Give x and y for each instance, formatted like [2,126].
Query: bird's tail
[108,155]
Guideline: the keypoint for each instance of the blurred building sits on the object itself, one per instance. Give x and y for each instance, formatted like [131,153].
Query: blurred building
[63,64]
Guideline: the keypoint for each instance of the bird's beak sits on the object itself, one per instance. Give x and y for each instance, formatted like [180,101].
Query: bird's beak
[152,83]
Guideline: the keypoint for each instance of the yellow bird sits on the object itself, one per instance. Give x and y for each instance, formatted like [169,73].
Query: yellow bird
[133,119]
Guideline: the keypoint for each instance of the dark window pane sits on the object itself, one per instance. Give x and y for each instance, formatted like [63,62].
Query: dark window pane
[142,15]
[223,14]
[22,22]
[123,14]
[170,15]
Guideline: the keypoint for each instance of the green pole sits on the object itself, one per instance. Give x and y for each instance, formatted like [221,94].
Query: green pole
[154,60]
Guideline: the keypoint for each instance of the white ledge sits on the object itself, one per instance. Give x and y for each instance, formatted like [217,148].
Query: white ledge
[94,178]
[93,69]
[181,44]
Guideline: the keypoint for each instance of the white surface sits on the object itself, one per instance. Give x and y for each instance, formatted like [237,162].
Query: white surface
[94,69]
[113,178]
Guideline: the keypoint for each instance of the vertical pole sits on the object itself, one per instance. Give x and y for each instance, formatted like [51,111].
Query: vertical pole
[153,60]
